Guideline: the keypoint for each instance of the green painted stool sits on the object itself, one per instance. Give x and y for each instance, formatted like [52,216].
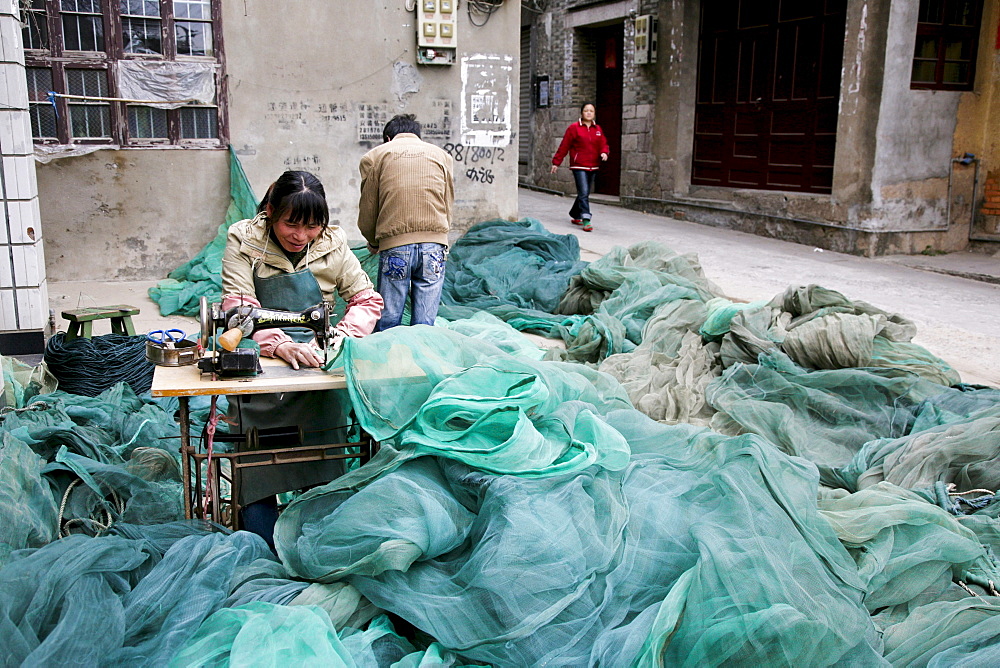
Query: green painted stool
[81,320]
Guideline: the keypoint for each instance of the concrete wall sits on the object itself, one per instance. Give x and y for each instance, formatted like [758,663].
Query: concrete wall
[130,214]
[894,145]
[299,89]
[913,139]
[310,85]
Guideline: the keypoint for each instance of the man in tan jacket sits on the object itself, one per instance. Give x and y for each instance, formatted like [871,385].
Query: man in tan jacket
[407,195]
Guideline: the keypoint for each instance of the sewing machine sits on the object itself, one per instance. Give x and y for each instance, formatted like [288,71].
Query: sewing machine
[228,358]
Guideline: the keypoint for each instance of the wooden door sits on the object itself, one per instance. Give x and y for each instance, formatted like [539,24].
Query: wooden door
[768,91]
[608,43]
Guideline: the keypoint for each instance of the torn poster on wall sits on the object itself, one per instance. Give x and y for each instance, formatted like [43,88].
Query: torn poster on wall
[486,99]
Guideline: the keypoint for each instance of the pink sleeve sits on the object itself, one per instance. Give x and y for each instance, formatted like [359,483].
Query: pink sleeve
[268,339]
[363,311]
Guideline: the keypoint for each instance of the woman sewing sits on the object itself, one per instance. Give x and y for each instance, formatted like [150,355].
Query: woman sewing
[288,257]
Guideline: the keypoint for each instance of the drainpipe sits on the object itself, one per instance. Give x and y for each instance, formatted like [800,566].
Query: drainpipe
[23,290]
[966,160]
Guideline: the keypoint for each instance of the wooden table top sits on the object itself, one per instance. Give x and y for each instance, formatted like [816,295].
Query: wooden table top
[189,381]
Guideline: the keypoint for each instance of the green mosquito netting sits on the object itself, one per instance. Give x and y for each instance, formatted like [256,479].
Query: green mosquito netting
[689,481]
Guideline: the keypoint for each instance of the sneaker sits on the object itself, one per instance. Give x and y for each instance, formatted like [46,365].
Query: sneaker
[587,227]
[576,221]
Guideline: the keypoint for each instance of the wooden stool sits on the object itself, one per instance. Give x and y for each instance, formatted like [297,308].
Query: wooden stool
[82,320]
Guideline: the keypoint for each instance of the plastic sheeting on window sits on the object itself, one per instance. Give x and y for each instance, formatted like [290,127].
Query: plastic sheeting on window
[165,84]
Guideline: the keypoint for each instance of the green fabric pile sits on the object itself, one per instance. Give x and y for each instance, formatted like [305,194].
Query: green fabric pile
[690,482]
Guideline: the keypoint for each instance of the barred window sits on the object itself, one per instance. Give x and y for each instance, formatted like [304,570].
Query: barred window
[89,118]
[72,47]
[947,41]
[43,115]
[147,122]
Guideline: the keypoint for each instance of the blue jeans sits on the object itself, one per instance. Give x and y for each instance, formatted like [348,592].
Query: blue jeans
[414,270]
[584,185]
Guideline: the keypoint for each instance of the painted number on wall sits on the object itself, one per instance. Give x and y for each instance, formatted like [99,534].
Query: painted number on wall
[474,154]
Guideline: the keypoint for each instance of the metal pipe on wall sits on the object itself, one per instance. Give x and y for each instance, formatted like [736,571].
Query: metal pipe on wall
[966,160]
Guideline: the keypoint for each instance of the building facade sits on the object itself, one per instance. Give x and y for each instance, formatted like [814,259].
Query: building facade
[863,126]
[133,104]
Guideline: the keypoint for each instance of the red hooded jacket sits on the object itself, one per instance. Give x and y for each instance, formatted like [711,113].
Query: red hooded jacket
[585,144]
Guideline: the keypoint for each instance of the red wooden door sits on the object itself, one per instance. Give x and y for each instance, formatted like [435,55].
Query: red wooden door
[768,91]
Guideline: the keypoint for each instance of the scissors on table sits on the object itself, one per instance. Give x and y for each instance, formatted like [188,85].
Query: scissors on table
[166,337]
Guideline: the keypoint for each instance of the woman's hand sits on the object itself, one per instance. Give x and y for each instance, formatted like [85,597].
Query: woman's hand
[604,157]
[298,354]
[554,169]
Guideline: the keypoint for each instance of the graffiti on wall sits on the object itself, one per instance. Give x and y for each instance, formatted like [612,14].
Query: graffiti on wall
[439,124]
[476,161]
[292,114]
[486,99]
[371,121]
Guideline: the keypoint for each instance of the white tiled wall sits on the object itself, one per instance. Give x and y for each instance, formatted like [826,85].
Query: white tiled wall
[15,132]
[24,300]
[10,36]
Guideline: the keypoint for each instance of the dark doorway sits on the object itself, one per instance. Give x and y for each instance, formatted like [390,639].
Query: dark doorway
[768,91]
[608,43]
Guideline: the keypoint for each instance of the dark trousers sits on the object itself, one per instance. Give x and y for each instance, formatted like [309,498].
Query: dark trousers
[584,185]
[259,517]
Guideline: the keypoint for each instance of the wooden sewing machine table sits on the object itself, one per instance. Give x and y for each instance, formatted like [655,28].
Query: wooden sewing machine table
[188,381]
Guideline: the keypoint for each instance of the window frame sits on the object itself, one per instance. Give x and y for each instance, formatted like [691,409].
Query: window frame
[943,33]
[58,60]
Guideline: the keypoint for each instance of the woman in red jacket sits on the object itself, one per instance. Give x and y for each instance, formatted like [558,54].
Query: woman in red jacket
[587,148]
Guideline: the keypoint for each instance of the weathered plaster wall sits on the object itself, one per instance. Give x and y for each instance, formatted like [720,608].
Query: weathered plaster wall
[312,91]
[310,86]
[130,215]
[913,139]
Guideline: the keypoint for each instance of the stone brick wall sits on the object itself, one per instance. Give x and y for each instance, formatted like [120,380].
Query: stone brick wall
[568,57]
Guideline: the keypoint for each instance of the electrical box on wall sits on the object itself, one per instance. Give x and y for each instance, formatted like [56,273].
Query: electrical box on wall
[646,29]
[437,38]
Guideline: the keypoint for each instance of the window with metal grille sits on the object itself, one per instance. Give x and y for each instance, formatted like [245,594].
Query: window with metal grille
[72,47]
[947,41]
[147,122]
[43,116]
[89,118]
[198,123]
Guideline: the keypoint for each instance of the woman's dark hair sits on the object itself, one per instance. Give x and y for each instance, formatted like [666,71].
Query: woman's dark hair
[585,104]
[300,195]
[401,123]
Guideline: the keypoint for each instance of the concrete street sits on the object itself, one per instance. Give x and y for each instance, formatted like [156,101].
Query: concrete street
[957,318]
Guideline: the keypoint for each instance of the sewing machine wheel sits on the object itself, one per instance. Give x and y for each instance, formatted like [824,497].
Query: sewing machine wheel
[205,322]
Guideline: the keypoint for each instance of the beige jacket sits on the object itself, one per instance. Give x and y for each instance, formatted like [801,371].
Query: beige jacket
[329,258]
[407,193]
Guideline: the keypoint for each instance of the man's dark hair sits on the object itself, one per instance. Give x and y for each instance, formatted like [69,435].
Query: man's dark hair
[401,123]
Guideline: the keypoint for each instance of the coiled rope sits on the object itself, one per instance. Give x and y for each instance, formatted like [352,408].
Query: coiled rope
[96,526]
[91,366]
